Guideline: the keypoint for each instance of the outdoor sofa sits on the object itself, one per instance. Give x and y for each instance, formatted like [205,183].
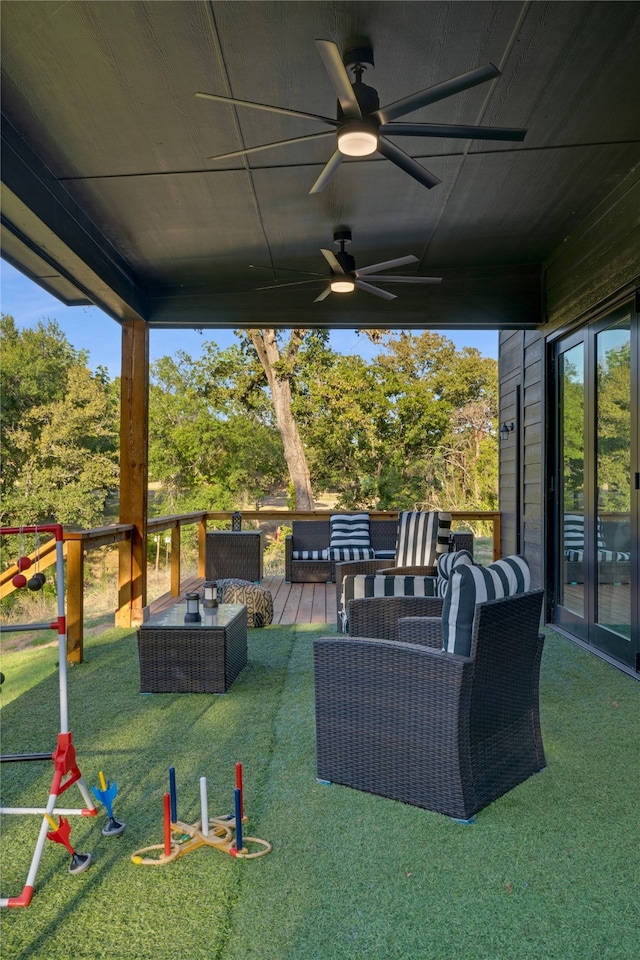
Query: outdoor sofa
[307,557]
[613,548]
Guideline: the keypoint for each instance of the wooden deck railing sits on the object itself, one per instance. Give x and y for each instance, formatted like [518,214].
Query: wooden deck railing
[78,543]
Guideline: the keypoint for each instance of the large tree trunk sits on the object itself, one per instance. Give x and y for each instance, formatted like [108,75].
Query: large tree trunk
[278,368]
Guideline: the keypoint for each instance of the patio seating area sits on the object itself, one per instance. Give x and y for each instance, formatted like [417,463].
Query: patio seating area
[293,603]
[548,871]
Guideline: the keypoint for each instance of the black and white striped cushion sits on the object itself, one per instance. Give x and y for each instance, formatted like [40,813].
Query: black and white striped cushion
[574,532]
[447,563]
[602,556]
[422,536]
[358,585]
[470,585]
[310,555]
[351,553]
[350,539]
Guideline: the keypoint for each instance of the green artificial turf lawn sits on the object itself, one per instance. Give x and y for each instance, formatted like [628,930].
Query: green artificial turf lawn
[548,872]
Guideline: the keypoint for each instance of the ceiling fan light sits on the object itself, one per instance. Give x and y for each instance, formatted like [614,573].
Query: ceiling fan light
[357,140]
[342,285]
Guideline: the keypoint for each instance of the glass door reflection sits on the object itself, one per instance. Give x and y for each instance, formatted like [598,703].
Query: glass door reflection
[572,497]
[613,477]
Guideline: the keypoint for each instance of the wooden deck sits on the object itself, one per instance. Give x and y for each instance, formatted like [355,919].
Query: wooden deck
[292,602]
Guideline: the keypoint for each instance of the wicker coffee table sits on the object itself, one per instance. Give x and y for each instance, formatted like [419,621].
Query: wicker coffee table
[205,657]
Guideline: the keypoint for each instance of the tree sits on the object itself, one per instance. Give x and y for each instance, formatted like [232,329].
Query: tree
[59,430]
[614,424]
[33,369]
[211,431]
[278,363]
[413,428]
[344,413]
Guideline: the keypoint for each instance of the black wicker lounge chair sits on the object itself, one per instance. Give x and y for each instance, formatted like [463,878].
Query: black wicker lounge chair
[458,541]
[408,721]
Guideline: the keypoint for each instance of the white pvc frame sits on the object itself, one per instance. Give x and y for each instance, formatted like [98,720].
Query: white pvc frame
[61,625]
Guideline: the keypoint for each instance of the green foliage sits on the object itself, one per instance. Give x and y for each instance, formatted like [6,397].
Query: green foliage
[212,442]
[59,430]
[614,426]
[572,412]
[342,409]
[414,427]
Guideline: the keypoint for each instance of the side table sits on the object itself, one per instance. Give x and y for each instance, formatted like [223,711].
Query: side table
[205,657]
[234,554]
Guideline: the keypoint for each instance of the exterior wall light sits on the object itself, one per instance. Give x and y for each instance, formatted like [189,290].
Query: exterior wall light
[505,430]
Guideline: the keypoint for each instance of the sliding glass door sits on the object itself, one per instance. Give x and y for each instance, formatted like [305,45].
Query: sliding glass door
[597,479]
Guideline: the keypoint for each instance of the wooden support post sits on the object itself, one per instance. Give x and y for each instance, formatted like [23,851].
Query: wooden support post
[134,421]
[75,600]
[123,613]
[497,536]
[175,561]
[202,546]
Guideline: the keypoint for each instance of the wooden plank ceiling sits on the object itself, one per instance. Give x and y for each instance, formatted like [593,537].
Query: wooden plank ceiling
[109,196]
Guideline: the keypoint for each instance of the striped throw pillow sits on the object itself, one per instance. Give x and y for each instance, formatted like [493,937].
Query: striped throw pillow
[470,585]
[359,585]
[574,533]
[422,536]
[350,538]
[447,563]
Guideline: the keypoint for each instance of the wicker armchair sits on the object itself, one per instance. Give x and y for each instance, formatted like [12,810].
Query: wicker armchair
[443,732]
[380,617]
[459,541]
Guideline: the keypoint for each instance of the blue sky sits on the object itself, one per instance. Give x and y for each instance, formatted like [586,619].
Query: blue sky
[88,328]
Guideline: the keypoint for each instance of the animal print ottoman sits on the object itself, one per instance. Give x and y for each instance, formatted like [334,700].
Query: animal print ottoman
[258,600]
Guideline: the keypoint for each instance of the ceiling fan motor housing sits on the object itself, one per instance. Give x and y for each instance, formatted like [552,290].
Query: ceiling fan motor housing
[359,51]
[368,101]
[346,261]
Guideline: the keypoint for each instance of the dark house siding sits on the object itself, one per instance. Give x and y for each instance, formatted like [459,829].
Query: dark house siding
[521,453]
[597,265]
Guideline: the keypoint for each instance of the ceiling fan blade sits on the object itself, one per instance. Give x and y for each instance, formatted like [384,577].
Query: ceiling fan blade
[268,107]
[332,260]
[323,296]
[457,130]
[386,265]
[438,92]
[407,163]
[269,146]
[391,279]
[328,171]
[275,270]
[339,78]
[293,283]
[369,288]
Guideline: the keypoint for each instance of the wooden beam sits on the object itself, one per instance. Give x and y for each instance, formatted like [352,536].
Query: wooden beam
[75,601]
[175,561]
[134,471]
[202,547]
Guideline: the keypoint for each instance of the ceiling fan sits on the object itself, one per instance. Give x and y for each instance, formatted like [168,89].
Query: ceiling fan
[344,277]
[362,126]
